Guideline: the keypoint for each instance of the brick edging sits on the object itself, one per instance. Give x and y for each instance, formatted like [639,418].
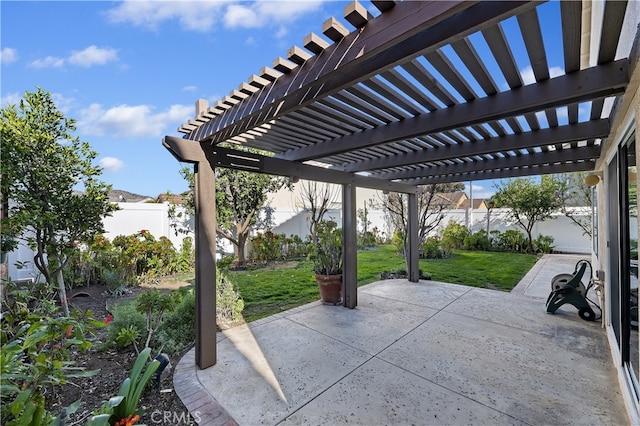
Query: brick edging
[204,409]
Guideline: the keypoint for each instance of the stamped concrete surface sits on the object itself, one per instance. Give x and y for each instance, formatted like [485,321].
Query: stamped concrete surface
[424,353]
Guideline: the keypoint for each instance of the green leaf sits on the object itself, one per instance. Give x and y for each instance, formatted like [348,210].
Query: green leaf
[99,420]
[151,368]
[18,404]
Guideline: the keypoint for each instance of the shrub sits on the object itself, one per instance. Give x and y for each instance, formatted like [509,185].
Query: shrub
[477,241]
[186,257]
[543,244]
[125,317]
[268,246]
[178,328]
[366,239]
[36,353]
[144,258]
[398,241]
[453,236]
[432,249]
[229,305]
[154,304]
[513,240]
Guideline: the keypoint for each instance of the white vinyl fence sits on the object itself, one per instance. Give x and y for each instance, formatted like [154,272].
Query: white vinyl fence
[131,218]
[568,237]
[154,217]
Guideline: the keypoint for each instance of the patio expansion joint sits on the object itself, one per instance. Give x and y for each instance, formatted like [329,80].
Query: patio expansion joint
[452,390]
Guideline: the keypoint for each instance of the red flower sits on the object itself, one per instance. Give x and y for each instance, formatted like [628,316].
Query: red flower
[109,319]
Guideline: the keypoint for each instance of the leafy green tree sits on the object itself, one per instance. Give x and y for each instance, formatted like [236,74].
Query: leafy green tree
[42,163]
[240,195]
[529,202]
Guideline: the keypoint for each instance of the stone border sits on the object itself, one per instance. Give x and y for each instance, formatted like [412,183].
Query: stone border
[204,409]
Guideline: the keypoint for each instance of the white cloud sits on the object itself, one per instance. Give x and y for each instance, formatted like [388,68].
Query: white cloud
[111,164]
[8,55]
[10,99]
[131,121]
[93,55]
[282,32]
[529,78]
[251,41]
[204,15]
[192,15]
[241,16]
[480,191]
[190,88]
[263,13]
[48,62]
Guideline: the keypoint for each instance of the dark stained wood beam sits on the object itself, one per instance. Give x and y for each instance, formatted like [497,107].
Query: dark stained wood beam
[552,136]
[597,82]
[187,150]
[581,166]
[407,30]
[571,17]
[536,159]
[612,21]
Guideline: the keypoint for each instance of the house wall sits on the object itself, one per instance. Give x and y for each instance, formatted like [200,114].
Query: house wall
[625,120]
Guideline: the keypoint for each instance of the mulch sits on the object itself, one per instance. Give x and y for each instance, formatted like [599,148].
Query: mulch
[156,408]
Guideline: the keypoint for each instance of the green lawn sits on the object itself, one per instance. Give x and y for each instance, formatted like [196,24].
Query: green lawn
[283,286]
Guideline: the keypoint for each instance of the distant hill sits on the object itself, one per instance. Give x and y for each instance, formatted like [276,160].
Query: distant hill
[119,195]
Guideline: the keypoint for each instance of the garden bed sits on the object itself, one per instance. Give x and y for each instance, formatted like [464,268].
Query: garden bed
[114,367]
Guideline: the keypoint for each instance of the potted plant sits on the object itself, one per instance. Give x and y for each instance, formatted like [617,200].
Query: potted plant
[326,254]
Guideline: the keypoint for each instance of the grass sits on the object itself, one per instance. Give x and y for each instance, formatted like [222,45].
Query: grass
[279,287]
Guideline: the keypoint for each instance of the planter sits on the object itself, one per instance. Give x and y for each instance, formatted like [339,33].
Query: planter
[330,288]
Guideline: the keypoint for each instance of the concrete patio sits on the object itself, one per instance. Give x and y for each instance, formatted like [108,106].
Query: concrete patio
[413,353]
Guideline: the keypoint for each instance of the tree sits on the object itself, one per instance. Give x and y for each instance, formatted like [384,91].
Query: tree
[41,164]
[429,211]
[574,196]
[316,198]
[529,202]
[240,195]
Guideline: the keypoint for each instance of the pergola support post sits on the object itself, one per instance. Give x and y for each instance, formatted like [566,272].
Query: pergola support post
[412,239]
[349,247]
[205,235]
[205,243]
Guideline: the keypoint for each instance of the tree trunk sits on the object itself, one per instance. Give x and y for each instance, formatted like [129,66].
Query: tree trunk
[61,288]
[242,239]
[530,246]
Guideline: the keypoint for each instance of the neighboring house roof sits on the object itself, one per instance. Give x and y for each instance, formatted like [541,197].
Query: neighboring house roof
[478,204]
[170,198]
[451,200]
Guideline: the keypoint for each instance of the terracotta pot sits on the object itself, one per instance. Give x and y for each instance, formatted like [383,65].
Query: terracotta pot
[330,288]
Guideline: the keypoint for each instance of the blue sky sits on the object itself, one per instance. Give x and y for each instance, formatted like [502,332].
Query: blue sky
[130,72]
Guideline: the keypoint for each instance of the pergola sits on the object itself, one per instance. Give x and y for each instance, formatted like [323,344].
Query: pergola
[406,99]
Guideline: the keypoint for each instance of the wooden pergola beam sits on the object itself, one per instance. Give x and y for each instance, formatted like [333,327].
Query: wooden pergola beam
[581,166]
[249,161]
[552,136]
[597,82]
[406,30]
[495,164]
